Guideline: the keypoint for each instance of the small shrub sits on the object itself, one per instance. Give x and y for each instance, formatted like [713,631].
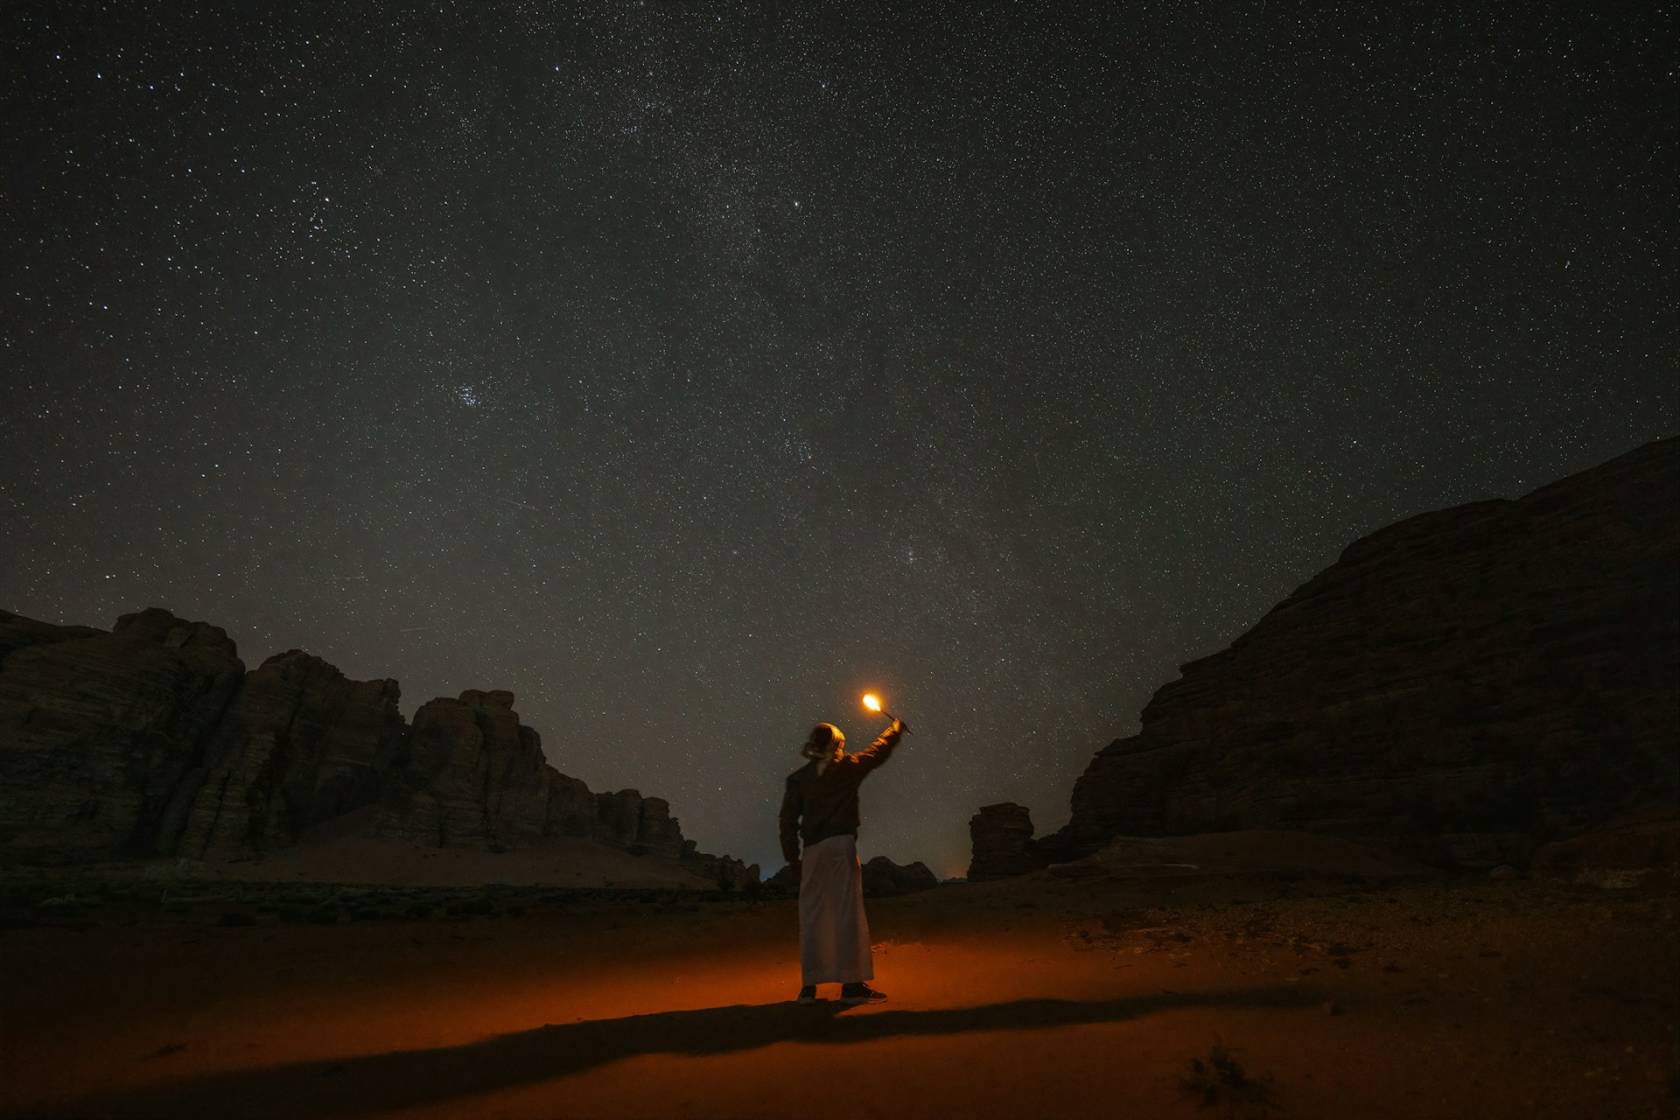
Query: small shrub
[1221,1080]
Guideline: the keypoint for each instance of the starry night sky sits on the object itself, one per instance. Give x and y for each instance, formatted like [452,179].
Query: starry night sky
[686,368]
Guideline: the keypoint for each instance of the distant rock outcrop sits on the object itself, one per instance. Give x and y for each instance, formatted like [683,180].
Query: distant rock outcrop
[882,878]
[726,872]
[1460,687]
[1000,837]
[153,740]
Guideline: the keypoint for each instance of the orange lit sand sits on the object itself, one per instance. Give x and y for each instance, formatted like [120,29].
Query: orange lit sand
[1049,996]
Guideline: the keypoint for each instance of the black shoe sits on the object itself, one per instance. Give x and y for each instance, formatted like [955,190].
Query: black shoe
[861,993]
[808,994]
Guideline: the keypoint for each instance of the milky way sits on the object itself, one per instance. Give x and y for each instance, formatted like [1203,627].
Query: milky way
[686,368]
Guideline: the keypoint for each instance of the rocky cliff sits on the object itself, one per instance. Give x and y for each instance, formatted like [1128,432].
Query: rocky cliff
[1461,686]
[152,740]
[99,731]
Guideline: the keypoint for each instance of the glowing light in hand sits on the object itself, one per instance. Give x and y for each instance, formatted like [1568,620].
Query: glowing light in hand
[873,703]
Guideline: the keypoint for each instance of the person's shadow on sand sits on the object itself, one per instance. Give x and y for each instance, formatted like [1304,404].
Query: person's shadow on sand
[414,1077]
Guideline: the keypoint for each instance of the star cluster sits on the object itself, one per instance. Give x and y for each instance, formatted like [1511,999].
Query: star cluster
[687,368]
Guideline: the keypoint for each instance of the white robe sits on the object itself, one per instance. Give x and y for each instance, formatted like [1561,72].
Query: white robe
[833,929]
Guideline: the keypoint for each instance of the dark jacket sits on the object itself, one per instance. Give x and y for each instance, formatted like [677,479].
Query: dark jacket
[817,806]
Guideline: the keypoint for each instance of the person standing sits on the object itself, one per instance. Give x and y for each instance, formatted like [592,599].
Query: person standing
[820,808]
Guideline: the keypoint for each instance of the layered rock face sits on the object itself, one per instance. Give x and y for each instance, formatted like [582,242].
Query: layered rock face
[300,744]
[153,740]
[473,777]
[98,730]
[657,832]
[620,816]
[1461,686]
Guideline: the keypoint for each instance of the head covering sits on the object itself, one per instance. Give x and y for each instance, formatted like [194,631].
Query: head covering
[822,741]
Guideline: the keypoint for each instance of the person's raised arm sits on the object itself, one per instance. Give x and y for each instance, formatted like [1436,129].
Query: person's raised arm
[792,807]
[881,749]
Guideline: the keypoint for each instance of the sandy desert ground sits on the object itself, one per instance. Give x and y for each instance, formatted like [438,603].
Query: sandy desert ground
[1337,989]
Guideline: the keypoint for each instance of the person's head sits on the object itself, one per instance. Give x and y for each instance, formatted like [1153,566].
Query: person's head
[826,741]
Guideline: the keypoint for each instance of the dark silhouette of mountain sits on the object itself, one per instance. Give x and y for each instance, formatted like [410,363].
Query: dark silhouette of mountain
[1462,686]
[153,740]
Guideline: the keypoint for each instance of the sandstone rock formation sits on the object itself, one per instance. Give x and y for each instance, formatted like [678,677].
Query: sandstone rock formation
[299,744]
[657,832]
[98,730]
[882,878]
[620,816]
[153,740]
[17,632]
[473,776]
[1000,837]
[572,808]
[1460,686]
